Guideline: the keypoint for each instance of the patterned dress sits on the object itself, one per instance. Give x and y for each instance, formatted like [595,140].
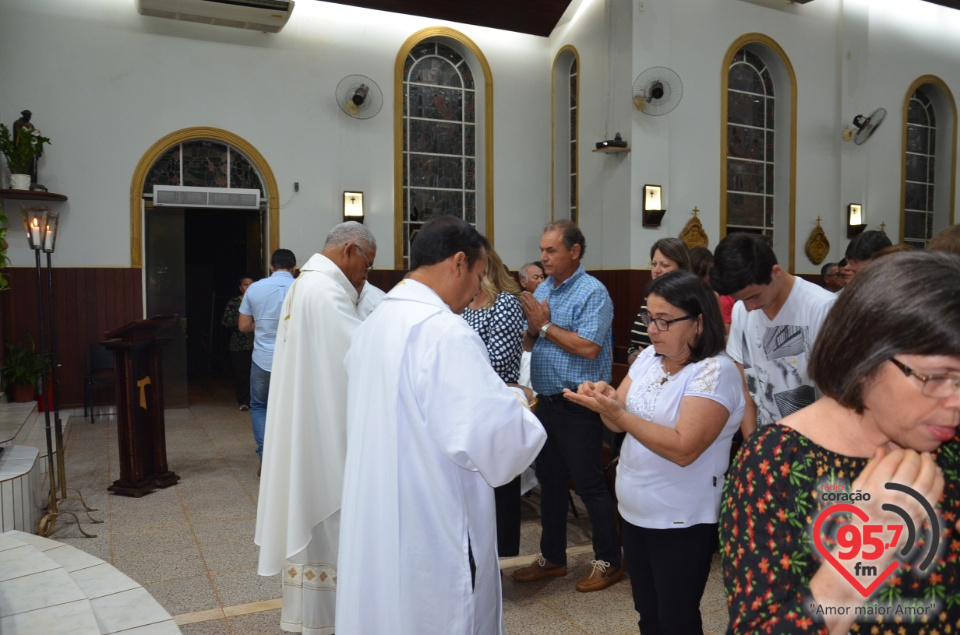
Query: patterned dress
[501,329]
[769,504]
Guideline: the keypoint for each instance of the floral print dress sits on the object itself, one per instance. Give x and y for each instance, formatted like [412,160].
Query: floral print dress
[771,499]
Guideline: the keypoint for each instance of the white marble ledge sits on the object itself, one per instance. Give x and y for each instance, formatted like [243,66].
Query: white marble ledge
[71,618]
[102,580]
[37,542]
[12,418]
[128,610]
[42,590]
[23,561]
[16,461]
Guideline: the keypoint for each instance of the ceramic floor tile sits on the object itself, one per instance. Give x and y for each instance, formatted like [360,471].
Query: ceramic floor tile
[8,541]
[71,618]
[228,556]
[214,532]
[147,567]
[126,610]
[153,540]
[184,595]
[38,591]
[38,542]
[266,623]
[242,587]
[214,627]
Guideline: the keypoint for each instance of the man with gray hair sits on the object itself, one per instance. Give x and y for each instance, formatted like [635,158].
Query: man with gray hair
[298,512]
[531,275]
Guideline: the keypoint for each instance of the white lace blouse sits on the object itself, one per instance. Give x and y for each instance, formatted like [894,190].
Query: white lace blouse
[655,492]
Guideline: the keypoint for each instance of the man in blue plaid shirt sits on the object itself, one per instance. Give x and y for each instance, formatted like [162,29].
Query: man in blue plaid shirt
[569,317]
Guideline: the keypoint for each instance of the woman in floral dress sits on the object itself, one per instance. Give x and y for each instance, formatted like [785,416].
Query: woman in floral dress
[888,363]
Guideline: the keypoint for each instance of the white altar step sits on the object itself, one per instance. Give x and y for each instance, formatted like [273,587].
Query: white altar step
[51,588]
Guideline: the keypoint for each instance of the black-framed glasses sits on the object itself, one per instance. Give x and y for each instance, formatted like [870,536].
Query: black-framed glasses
[936,386]
[365,259]
[661,324]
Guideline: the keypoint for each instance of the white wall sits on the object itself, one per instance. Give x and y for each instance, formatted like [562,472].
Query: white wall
[105,83]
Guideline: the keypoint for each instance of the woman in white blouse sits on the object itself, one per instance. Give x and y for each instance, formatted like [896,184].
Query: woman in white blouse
[680,406]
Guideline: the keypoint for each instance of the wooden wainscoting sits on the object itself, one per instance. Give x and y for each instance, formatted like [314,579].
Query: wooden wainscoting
[87,302]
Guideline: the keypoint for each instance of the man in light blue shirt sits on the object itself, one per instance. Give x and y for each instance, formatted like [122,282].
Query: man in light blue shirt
[260,314]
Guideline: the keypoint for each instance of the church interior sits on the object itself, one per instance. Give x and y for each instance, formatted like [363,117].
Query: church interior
[188,142]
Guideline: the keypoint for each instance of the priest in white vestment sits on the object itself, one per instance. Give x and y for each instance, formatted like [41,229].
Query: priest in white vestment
[431,431]
[298,512]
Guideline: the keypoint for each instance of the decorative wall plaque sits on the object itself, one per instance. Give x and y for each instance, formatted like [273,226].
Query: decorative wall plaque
[817,246]
[693,234]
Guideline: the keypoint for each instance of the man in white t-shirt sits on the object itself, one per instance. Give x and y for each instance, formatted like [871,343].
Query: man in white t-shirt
[775,323]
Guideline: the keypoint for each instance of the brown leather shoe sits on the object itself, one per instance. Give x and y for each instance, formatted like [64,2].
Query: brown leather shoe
[600,577]
[538,570]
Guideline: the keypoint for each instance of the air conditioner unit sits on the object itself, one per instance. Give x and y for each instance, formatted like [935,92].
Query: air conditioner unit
[256,15]
[208,197]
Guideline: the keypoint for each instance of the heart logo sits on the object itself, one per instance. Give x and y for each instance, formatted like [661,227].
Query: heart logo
[862,515]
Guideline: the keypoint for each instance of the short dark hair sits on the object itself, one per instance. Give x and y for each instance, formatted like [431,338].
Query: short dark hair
[842,263]
[442,237]
[741,260]
[571,234]
[283,259]
[825,269]
[674,249]
[907,302]
[864,245]
[687,292]
[701,260]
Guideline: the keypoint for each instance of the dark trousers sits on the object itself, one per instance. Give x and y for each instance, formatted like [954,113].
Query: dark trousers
[241,360]
[507,499]
[572,450]
[668,572]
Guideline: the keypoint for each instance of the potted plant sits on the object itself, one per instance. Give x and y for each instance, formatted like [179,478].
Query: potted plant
[22,366]
[4,260]
[21,150]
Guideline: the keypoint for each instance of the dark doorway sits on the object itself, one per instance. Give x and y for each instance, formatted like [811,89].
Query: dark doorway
[194,259]
[222,246]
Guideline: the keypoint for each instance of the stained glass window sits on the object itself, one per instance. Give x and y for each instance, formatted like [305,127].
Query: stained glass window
[203,163]
[750,145]
[921,156]
[574,96]
[439,138]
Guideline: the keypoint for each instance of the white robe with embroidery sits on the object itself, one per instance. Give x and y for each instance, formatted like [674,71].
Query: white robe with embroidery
[431,430]
[298,512]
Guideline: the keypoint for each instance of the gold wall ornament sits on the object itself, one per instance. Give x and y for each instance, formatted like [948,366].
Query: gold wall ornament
[693,234]
[817,246]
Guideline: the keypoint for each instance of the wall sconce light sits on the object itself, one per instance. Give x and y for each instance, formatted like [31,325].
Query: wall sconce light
[652,206]
[353,206]
[35,224]
[855,223]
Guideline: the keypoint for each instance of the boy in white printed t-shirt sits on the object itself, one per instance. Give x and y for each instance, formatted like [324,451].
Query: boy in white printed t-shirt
[775,322]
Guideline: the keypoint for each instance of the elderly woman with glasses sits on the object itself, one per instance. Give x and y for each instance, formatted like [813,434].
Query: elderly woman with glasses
[680,406]
[811,540]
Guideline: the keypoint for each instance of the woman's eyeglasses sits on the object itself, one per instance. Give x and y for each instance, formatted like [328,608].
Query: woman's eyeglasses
[936,386]
[661,324]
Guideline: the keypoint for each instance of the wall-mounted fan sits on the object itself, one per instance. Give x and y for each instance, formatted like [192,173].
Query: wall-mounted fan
[864,126]
[359,96]
[657,91]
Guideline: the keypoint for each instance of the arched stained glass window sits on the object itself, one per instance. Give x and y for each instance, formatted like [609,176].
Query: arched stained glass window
[203,163]
[574,95]
[439,138]
[921,160]
[750,145]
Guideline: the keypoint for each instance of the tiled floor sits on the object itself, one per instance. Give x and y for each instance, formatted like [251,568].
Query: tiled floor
[191,545]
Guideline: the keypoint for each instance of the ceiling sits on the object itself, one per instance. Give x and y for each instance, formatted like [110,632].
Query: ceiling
[536,17]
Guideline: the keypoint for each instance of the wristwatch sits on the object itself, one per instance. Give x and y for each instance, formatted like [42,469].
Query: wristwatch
[543,329]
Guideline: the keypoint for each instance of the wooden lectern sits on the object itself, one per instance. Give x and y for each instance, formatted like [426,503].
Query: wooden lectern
[140,426]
